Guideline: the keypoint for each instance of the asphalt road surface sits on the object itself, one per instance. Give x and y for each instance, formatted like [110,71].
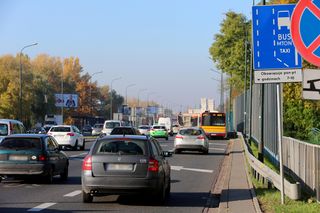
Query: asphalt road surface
[192,178]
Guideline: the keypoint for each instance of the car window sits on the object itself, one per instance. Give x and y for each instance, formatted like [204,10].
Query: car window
[51,145]
[155,149]
[20,144]
[121,131]
[144,127]
[3,129]
[60,129]
[190,132]
[123,147]
[112,125]
[98,126]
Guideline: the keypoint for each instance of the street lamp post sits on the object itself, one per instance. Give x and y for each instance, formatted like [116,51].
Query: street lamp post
[130,85]
[111,95]
[20,77]
[221,90]
[91,108]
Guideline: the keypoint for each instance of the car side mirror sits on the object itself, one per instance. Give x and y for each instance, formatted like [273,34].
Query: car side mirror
[167,154]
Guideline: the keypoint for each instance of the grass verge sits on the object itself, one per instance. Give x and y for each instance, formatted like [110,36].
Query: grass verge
[270,199]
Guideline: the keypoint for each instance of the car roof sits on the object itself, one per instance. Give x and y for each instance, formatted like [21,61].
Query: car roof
[10,120]
[62,125]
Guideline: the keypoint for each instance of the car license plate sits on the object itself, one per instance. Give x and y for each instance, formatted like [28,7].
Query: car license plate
[18,157]
[121,167]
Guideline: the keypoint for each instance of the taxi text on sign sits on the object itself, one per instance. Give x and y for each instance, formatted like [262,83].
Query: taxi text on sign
[274,50]
[305,30]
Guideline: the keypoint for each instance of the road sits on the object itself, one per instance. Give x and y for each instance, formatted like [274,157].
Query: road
[192,178]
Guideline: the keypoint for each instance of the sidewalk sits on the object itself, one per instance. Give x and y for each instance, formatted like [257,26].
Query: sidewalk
[233,184]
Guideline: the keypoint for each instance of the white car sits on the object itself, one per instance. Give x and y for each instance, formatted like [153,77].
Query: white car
[144,129]
[68,136]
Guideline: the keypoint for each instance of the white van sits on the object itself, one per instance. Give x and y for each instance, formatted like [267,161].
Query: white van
[110,124]
[9,127]
[167,123]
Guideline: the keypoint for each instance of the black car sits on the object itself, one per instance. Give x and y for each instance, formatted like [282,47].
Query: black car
[125,165]
[32,155]
[87,130]
[125,130]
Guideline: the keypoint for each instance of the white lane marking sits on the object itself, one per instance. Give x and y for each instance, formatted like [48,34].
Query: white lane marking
[179,168]
[258,53]
[286,65]
[257,22]
[41,207]
[274,54]
[79,155]
[73,194]
[217,149]
[279,60]
[257,12]
[274,32]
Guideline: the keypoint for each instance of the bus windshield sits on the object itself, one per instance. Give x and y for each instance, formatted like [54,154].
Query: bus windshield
[213,119]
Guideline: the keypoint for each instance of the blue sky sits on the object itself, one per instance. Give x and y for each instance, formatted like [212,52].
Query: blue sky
[158,45]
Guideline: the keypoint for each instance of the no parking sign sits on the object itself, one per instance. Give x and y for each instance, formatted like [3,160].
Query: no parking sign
[305,30]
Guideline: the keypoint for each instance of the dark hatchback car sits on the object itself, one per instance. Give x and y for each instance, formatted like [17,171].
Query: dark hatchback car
[32,155]
[125,130]
[128,164]
[87,130]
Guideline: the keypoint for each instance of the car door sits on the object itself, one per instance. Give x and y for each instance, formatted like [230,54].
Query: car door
[78,134]
[157,152]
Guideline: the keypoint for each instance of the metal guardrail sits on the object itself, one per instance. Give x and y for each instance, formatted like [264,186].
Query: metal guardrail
[292,190]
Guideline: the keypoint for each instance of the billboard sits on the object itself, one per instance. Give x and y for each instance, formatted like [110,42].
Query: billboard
[152,109]
[66,100]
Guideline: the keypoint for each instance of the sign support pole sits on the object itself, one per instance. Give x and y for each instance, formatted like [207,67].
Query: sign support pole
[280,141]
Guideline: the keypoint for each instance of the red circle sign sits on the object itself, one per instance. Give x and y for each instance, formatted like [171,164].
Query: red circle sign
[307,52]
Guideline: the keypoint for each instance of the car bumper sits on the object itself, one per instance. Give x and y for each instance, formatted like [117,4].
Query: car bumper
[23,169]
[118,185]
[190,147]
[216,134]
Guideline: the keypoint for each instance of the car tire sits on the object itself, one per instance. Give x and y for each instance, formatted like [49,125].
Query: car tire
[161,195]
[48,178]
[86,197]
[64,175]
[168,189]
[83,145]
[167,138]
[75,147]
[177,151]
[205,152]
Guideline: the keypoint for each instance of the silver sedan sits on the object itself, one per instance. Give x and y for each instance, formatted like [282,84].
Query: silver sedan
[191,139]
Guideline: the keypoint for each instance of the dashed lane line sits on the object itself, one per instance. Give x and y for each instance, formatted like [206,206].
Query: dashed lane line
[41,207]
[73,194]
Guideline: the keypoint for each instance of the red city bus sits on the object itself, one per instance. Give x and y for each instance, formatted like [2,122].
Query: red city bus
[214,124]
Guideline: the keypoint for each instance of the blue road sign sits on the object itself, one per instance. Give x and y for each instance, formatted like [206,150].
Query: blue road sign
[272,42]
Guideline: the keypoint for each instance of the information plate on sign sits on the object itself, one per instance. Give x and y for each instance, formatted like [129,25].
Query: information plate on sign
[311,84]
[276,59]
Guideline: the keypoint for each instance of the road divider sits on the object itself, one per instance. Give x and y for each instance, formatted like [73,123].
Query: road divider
[41,207]
[179,168]
[73,194]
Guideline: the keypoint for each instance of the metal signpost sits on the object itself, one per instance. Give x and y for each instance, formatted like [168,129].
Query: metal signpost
[305,30]
[276,59]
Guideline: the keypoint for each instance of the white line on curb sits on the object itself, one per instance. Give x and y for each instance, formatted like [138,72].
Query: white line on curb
[41,207]
[72,194]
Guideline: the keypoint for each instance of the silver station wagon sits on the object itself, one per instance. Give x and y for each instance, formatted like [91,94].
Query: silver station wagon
[127,164]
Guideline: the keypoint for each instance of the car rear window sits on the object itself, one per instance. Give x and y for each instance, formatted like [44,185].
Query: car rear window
[60,129]
[123,147]
[121,131]
[3,129]
[20,144]
[112,125]
[191,132]
[144,127]
[159,127]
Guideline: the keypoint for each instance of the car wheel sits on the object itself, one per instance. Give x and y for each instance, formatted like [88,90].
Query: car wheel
[83,145]
[86,197]
[205,152]
[168,189]
[48,178]
[177,151]
[64,175]
[75,146]
[161,195]
[167,138]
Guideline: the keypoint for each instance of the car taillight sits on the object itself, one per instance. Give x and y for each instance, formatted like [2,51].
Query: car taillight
[200,137]
[179,137]
[87,163]
[70,134]
[42,158]
[153,165]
